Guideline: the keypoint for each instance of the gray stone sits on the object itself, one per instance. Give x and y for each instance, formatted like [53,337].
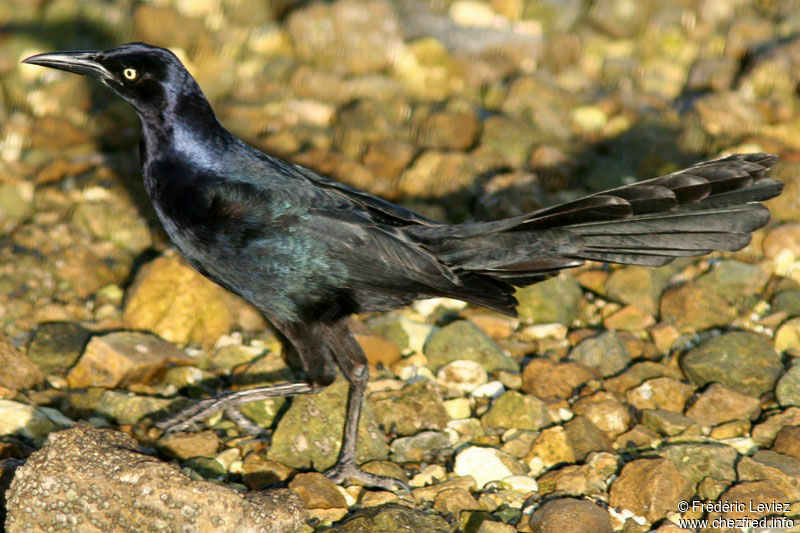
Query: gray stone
[606,353]
[464,340]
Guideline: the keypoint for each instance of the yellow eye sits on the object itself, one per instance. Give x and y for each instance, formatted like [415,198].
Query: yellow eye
[130,74]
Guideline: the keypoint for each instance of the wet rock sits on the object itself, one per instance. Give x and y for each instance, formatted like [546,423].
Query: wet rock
[187,445]
[123,358]
[486,464]
[698,461]
[660,393]
[742,361]
[17,371]
[56,346]
[424,446]
[463,340]
[80,471]
[649,488]
[349,36]
[389,518]
[569,515]
[553,300]
[787,392]
[546,379]
[514,410]
[604,411]
[782,470]
[415,407]
[690,308]
[606,353]
[175,302]
[258,472]
[461,377]
[309,434]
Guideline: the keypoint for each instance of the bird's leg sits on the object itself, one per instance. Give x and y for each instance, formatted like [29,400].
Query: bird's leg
[316,359]
[187,419]
[353,364]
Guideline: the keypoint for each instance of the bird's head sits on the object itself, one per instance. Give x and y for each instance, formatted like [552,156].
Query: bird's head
[148,77]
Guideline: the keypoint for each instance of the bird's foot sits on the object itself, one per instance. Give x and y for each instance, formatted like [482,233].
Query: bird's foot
[346,470]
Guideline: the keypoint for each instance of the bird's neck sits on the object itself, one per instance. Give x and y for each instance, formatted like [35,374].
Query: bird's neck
[187,128]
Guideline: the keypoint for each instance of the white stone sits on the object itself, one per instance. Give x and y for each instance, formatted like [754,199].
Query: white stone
[485,464]
[461,377]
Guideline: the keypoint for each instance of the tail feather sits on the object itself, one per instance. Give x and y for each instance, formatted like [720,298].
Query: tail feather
[713,205]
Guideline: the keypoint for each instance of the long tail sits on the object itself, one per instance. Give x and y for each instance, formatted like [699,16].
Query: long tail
[713,205]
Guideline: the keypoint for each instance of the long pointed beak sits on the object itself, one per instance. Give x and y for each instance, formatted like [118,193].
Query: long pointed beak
[79,62]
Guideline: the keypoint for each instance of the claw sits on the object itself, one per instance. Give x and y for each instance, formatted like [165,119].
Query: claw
[346,470]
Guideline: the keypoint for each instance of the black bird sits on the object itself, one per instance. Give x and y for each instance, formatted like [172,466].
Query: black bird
[309,251]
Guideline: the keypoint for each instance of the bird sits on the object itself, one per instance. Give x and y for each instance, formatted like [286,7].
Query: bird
[309,251]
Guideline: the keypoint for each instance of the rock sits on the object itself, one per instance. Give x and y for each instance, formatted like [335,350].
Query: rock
[102,480]
[390,518]
[782,470]
[424,446]
[629,318]
[16,204]
[187,445]
[787,392]
[309,434]
[461,377]
[428,71]
[379,350]
[122,359]
[637,374]
[660,393]
[664,336]
[415,407]
[114,222]
[387,158]
[649,488]
[123,407]
[712,74]
[764,433]
[606,353]
[570,515]
[454,501]
[258,472]
[428,493]
[757,492]
[668,423]
[788,335]
[604,411]
[550,448]
[406,334]
[586,438]
[55,346]
[342,167]
[269,369]
[698,461]
[782,238]
[349,36]
[511,138]
[514,410]
[17,371]
[546,379]
[435,173]
[787,442]
[175,302]
[553,300]
[463,340]
[691,308]
[734,280]
[317,491]
[742,361]
[28,421]
[486,464]
[448,130]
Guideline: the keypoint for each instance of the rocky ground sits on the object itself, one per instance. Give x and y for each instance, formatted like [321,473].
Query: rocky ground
[618,393]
